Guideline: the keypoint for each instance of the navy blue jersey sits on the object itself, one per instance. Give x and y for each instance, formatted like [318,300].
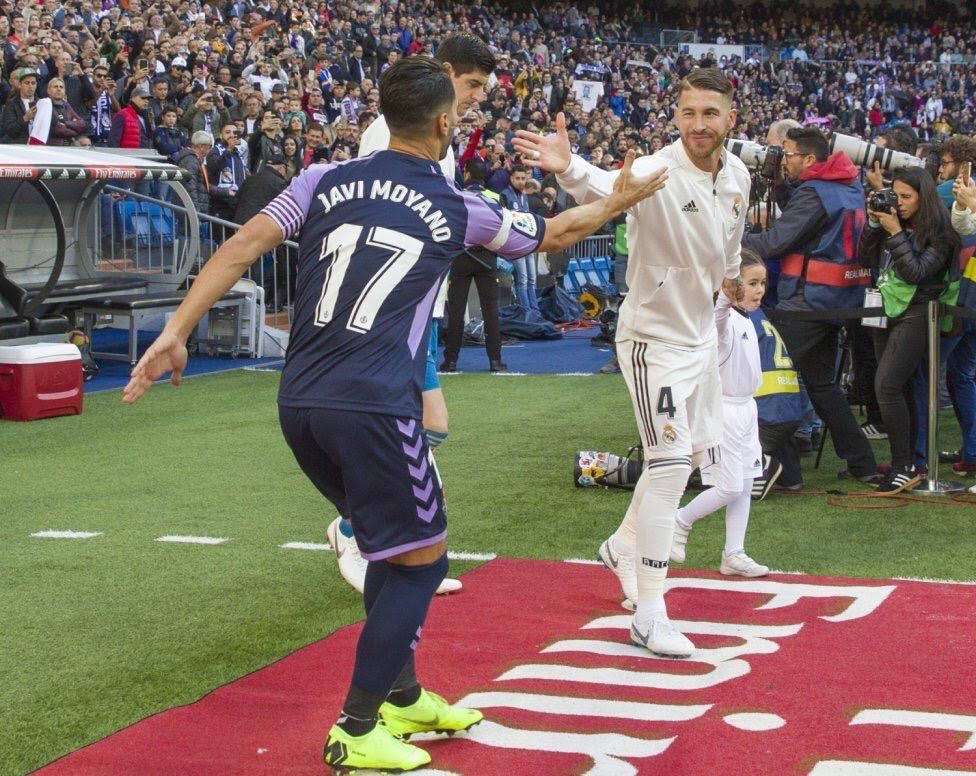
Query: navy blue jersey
[378,235]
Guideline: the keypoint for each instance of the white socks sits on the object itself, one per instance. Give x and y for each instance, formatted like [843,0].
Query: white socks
[737,507]
[665,483]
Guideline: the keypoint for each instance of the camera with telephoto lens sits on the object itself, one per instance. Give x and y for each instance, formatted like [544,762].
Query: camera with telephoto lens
[865,154]
[883,201]
[763,160]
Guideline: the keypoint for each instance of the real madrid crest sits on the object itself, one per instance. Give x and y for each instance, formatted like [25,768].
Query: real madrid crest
[669,434]
[736,206]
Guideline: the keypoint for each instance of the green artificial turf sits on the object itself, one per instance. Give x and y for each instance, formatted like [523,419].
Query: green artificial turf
[101,632]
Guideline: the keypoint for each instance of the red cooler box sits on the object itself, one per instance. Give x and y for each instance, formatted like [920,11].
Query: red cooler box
[40,381]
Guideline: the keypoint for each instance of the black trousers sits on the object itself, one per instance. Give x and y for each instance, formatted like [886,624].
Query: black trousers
[814,347]
[777,440]
[464,270]
[865,367]
[900,349]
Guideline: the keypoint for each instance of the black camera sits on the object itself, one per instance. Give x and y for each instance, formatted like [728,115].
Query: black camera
[773,162]
[883,201]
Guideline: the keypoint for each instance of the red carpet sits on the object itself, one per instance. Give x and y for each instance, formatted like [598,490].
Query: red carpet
[832,671]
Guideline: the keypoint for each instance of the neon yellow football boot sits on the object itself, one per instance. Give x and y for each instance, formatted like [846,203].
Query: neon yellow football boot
[378,750]
[429,714]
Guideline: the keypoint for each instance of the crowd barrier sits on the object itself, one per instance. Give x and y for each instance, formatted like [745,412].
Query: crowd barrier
[932,485]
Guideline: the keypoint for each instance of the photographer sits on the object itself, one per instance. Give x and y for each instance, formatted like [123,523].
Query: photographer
[912,245]
[816,236]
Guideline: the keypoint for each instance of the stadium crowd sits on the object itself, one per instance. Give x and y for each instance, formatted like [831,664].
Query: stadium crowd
[300,79]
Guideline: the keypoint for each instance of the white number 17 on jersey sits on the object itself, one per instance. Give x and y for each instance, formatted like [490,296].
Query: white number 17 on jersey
[340,244]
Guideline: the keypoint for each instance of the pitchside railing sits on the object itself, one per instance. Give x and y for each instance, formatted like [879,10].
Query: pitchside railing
[597,245]
[147,234]
[142,233]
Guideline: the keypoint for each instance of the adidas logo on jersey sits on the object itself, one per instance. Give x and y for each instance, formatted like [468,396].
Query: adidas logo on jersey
[745,335]
[691,207]
[757,462]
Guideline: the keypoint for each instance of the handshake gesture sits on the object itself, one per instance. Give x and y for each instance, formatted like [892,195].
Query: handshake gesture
[553,154]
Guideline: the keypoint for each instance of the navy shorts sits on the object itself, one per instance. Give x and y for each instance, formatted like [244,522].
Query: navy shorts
[376,470]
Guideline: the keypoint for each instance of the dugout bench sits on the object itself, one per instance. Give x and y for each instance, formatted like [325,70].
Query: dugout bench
[137,306]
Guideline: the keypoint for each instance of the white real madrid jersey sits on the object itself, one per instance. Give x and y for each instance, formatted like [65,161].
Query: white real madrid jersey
[682,242]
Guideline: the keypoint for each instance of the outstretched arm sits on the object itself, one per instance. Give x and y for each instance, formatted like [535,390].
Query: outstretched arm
[168,353]
[513,235]
[580,179]
[572,225]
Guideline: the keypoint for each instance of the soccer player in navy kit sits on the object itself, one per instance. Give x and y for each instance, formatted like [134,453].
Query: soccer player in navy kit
[377,236]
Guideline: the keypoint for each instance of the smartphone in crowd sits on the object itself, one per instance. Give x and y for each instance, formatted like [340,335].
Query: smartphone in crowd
[967,172]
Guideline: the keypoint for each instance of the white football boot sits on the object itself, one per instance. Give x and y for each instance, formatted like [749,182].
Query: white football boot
[662,638]
[352,565]
[623,566]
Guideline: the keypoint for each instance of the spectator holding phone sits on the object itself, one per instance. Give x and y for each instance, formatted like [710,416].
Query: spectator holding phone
[205,116]
[21,108]
[912,246]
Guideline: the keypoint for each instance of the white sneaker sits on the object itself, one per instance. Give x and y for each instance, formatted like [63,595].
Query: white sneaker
[661,638]
[679,541]
[352,565]
[738,564]
[448,585]
[621,565]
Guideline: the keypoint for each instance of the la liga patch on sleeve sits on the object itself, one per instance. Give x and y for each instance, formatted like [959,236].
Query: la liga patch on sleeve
[525,223]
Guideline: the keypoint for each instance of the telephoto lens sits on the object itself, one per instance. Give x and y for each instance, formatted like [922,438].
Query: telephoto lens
[753,155]
[865,154]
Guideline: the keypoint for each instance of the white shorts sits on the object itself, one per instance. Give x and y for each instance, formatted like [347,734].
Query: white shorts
[742,456]
[677,398]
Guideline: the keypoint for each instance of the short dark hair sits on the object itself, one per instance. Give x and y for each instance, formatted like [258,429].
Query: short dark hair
[466,53]
[904,139]
[810,140]
[518,168]
[413,92]
[709,79]
[476,171]
[169,109]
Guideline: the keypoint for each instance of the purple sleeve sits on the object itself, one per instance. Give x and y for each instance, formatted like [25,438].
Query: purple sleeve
[509,234]
[290,208]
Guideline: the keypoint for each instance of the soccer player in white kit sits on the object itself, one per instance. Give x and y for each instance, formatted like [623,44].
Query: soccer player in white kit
[730,480]
[470,63]
[683,243]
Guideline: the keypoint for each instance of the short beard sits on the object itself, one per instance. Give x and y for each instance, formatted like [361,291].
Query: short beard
[707,154]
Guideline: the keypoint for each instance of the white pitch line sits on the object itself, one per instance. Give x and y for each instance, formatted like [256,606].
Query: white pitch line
[66,534]
[937,581]
[574,374]
[305,546]
[508,374]
[194,539]
[471,555]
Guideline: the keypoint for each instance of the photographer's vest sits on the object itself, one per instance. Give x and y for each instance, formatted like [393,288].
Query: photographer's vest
[620,239]
[833,279]
[778,397]
[484,257]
